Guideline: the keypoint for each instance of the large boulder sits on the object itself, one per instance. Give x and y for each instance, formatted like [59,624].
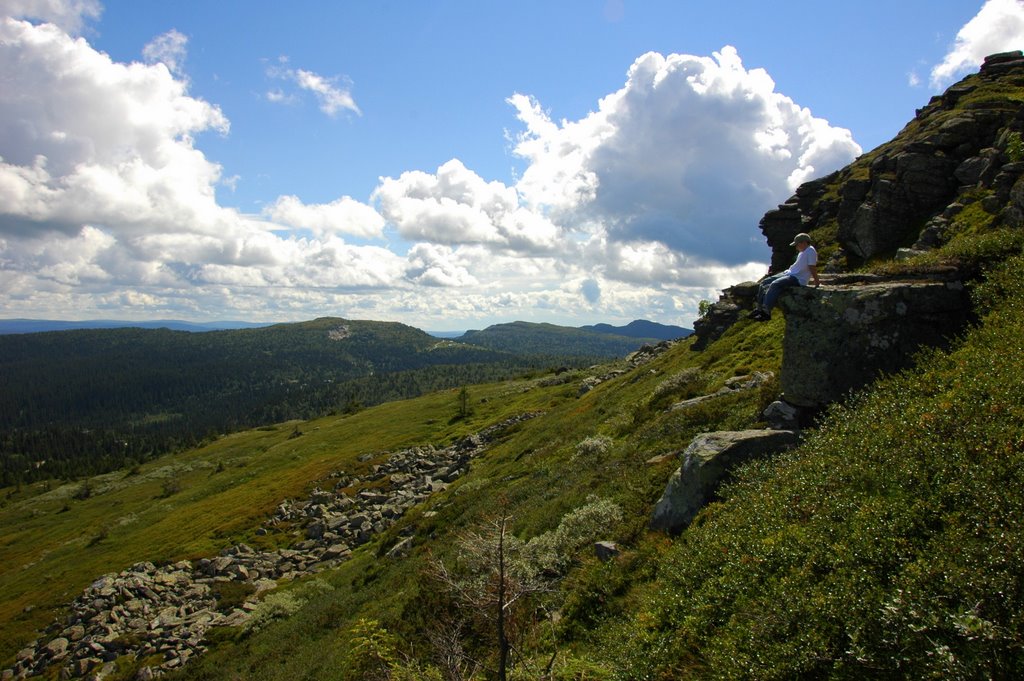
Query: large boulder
[706,462]
[841,337]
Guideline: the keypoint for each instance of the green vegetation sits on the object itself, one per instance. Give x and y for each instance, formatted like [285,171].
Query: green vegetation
[890,544]
[548,339]
[226,488]
[887,546]
[90,401]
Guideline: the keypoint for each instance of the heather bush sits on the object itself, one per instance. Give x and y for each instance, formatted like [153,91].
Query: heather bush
[890,545]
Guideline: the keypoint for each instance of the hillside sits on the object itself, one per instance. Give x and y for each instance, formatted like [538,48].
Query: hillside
[380,544]
[642,328]
[8,326]
[87,401]
[550,339]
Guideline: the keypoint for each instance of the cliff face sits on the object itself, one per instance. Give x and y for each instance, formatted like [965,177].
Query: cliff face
[904,193]
[957,168]
[842,337]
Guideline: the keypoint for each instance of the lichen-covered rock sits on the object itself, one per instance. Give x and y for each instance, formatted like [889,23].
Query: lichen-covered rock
[840,337]
[723,313]
[884,200]
[705,464]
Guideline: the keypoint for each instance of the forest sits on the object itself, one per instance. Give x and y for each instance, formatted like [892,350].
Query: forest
[83,402]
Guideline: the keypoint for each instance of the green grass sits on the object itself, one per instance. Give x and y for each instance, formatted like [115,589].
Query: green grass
[225,489]
[891,537]
[890,541]
[889,546]
[52,545]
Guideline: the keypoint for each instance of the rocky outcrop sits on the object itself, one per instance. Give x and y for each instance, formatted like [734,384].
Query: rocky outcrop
[802,212]
[723,313]
[634,360]
[732,386]
[960,153]
[840,337]
[898,193]
[164,612]
[706,462]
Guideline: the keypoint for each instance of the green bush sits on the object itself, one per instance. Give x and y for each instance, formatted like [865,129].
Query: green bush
[552,552]
[890,545]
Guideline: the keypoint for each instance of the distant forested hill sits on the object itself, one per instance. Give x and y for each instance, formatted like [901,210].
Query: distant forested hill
[40,325]
[533,338]
[84,401]
[642,328]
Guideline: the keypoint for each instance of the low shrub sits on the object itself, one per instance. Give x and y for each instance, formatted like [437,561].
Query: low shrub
[890,545]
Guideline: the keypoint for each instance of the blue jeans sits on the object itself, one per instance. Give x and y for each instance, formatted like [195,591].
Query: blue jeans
[768,290]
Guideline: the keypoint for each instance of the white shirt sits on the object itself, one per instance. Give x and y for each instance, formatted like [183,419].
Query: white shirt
[801,269]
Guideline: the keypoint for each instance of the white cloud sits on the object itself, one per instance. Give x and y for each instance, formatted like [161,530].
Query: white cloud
[169,49]
[689,153]
[68,15]
[997,27]
[87,140]
[656,194]
[457,206]
[343,216]
[639,209]
[440,266]
[105,202]
[334,94]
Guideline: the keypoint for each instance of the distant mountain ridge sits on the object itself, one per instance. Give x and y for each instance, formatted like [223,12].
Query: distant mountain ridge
[551,339]
[642,328]
[11,326]
[94,389]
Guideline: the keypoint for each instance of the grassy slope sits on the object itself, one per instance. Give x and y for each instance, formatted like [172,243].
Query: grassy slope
[52,555]
[890,545]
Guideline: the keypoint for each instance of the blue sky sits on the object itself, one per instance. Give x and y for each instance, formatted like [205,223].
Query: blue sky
[444,164]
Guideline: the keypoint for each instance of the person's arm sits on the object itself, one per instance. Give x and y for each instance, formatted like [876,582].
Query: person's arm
[814,275]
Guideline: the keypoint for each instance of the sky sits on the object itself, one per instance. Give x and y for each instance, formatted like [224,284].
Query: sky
[448,164]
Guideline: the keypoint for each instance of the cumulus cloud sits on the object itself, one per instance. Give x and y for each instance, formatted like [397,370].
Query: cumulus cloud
[997,27]
[106,203]
[343,216]
[689,153]
[433,265]
[659,189]
[641,208]
[334,94]
[68,15]
[168,49]
[86,140]
[457,206]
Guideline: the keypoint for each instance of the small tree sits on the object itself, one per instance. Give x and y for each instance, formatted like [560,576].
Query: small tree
[463,410]
[703,307]
[493,585]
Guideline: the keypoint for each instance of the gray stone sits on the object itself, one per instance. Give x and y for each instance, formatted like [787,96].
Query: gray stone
[401,549]
[707,461]
[840,338]
[781,415]
[57,647]
[605,550]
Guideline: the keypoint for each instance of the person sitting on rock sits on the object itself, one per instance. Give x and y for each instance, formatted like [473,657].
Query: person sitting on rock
[799,273]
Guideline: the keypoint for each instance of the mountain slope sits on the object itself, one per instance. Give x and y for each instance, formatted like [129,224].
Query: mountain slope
[550,339]
[641,328]
[91,400]
[888,545]
[8,326]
